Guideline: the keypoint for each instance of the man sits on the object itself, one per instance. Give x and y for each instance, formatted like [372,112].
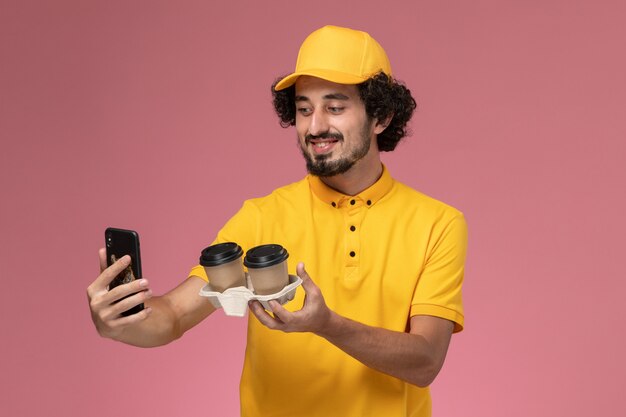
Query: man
[381,292]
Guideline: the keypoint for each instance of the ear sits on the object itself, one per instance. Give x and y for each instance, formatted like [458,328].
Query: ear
[380,126]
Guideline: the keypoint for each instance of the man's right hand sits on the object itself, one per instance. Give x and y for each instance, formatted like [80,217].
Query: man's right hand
[106,311]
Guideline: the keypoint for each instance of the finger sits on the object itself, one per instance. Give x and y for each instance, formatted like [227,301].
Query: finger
[263,316]
[124,290]
[102,254]
[301,271]
[130,302]
[280,312]
[123,321]
[307,282]
[111,272]
[94,288]
[99,285]
[104,299]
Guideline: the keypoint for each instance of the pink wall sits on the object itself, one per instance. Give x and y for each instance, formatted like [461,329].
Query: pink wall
[152,115]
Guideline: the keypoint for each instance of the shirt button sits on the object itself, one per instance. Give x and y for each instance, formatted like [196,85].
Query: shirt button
[369,202]
[352,254]
[333,204]
[352,202]
[352,228]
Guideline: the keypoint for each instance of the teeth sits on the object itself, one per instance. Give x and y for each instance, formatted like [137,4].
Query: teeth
[321,144]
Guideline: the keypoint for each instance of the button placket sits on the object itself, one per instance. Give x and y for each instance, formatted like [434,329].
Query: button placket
[353,215]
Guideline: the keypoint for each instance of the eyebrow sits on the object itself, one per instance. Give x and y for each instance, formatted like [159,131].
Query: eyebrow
[332,96]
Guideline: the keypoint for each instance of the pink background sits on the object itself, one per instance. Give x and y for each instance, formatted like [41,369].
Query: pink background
[156,116]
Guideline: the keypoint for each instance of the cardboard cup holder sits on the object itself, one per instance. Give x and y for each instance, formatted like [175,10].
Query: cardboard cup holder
[234,300]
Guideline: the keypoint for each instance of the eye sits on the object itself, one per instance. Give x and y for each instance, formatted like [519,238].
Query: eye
[335,109]
[305,111]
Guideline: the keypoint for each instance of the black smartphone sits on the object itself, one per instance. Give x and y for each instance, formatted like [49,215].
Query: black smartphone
[120,242]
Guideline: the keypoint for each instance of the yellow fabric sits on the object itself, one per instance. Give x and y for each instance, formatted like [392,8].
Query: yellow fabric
[340,55]
[409,253]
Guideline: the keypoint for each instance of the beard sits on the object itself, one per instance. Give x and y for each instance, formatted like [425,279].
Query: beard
[321,166]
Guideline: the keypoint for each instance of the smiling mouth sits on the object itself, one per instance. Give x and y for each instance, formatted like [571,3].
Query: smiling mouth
[323,143]
[323,146]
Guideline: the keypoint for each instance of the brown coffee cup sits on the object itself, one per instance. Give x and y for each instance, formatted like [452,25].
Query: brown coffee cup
[267,267]
[222,264]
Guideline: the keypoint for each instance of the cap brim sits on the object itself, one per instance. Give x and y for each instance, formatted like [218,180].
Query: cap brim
[333,76]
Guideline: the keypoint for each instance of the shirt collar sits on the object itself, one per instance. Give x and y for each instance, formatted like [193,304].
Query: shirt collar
[367,197]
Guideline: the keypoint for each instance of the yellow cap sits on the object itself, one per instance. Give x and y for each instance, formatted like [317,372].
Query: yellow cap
[340,55]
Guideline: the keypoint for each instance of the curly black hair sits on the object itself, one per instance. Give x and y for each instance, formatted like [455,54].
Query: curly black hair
[382,95]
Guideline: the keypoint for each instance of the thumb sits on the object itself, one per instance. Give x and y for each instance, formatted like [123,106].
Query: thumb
[102,254]
[307,282]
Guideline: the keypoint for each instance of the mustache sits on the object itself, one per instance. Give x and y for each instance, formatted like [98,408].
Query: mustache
[326,135]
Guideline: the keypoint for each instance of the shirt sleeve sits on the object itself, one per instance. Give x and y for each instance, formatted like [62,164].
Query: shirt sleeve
[438,290]
[242,228]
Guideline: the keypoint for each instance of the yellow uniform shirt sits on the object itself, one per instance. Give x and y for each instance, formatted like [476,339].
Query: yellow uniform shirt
[379,258]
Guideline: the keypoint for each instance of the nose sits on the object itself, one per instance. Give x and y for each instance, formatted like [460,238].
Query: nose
[319,123]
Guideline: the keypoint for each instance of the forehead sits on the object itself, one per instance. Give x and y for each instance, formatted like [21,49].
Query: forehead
[313,87]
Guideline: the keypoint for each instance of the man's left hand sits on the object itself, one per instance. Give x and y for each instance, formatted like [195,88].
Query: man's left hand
[313,317]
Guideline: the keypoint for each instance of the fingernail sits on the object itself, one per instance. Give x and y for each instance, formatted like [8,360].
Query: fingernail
[143,283]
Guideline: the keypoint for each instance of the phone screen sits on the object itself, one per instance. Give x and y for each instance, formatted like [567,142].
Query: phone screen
[120,242]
